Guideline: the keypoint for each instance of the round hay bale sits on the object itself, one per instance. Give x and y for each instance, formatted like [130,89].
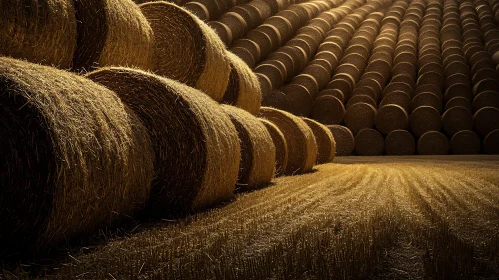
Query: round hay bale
[360,116]
[112,33]
[369,142]
[302,147]
[399,143]
[484,99]
[486,120]
[433,143]
[243,90]
[491,142]
[424,119]
[258,152]
[188,50]
[328,109]
[277,99]
[245,55]
[196,145]
[281,146]
[74,157]
[391,117]
[326,147]
[458,101]
[343,138]
[398,98]
[456,119]
[361,98]
[299,98]
[465,142]
[39,31]
[458,90]
[427,99]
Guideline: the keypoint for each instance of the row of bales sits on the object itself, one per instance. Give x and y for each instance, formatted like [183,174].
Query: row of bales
[110,109]
[395,77]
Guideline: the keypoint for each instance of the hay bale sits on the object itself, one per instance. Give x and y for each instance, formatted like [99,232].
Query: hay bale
[328,109]
[187,50]
[112,33]
[456,119]
[458,101]
[433,143]
[361,98]
[299,98]
[326,147]
[243,90]
[486,98]
[74,158]
[360,116]
[465,142]
[195,142]
[486,120]
[302,147]
[39,31]
[369,142]
[391,117]
[491,142]
[400,142]
[343,138]
[281,147]
[424,119]
[258,152]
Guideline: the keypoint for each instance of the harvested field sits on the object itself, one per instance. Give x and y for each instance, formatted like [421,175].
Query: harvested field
[376,218]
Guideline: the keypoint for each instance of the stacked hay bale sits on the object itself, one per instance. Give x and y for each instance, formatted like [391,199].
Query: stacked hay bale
[208,10]
[281,147]
[484,79]
[394,108]
[234,24]
[197,151]
[489,28]
[276,31]
[326,146]
[351,65]
[187,50]
[347,74]
[74,157]
[302,147]
[427,103]
[112,33]
[293,61]
[47,35]
[258,152]
[305,87]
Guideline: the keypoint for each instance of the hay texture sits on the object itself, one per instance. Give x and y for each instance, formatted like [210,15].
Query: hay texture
[465,142]
[74,157]
[486,120]
[400,142]
[302,147]
[243,90]
[196,144]
[112,33]
[456,119]
[326,146]
[188,50]
[343,138]
[369,142]
[38,31]
[281,146]
[433,143]
[258,152]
